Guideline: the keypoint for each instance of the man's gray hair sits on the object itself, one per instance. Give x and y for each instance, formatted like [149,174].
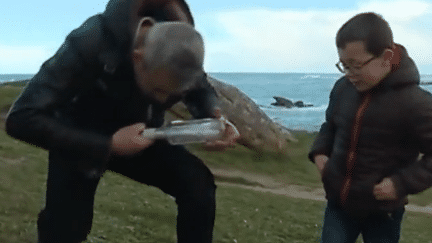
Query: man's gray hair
[175,45]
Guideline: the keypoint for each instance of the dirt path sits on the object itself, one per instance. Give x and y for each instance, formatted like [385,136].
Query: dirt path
[268,184]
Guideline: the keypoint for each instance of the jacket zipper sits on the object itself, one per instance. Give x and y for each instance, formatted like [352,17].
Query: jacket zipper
[352,152]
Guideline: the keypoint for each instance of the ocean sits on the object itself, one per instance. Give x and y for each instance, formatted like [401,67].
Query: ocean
[310,88]
[14,77]
[261,87]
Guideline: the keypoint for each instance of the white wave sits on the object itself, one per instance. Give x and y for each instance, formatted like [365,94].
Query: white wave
[322,76]
[314,76]
[294,109]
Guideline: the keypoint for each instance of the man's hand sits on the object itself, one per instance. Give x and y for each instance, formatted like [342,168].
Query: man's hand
[385,190]
[228,139]
[129,141]
[321,161]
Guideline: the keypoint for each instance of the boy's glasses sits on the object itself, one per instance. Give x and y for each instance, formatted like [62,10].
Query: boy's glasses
[343,68]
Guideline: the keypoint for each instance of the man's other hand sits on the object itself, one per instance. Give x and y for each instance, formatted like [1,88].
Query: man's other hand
[128,140]
[229,138]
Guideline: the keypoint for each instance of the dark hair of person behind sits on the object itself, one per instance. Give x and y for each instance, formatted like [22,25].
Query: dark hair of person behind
[368,27]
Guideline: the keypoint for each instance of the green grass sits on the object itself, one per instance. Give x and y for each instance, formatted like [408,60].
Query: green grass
[293,168]
[126,211]
[8,94]
[147,215]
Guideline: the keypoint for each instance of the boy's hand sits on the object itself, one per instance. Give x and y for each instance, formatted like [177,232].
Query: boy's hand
[321,161]
[228,139]
[385,190]
[129,141]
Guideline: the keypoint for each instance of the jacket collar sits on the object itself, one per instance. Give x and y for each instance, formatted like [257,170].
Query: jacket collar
[404,71]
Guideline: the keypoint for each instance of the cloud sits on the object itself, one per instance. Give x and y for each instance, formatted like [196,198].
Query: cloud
[285,40]
[399,11]
[410,23]
[22,59]
[273,40]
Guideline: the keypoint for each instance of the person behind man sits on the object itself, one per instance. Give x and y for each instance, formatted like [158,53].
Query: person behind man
[377,122]
[90,102]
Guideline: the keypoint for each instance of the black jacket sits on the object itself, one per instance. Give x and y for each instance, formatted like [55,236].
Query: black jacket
[86,91]
[394,128]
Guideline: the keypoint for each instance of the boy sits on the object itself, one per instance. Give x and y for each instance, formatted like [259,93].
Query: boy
[377,123]
[90,102]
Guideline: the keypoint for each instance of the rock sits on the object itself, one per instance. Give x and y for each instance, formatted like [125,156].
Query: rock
[258,132]
[281,101]
[299,104]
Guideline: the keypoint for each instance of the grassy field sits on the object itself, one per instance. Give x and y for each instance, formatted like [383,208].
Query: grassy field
[128,212]
[292,169]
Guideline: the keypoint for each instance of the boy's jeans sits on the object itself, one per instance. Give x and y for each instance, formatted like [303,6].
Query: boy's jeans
[340,227]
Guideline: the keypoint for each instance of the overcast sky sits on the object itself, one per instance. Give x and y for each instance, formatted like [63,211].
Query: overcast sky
[240,35]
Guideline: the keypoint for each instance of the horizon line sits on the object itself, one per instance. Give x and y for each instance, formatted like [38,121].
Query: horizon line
[236,72]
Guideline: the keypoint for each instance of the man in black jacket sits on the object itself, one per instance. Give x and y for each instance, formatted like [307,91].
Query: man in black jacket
[377,123]
[88,104]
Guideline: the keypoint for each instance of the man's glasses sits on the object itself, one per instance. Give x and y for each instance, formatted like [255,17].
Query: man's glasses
[343,68]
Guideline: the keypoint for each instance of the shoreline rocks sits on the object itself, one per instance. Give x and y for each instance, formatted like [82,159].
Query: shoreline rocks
[284,102]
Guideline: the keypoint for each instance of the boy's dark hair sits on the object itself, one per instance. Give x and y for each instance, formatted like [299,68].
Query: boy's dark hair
[368,27]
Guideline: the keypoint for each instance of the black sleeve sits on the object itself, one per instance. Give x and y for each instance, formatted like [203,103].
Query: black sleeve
[417,176]
[32,117]
[323,143]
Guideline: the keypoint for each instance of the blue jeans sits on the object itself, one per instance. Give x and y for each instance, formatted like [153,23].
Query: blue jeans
[380,227]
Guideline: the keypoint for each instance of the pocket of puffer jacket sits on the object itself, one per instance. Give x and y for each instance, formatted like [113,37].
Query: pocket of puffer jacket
[330,182]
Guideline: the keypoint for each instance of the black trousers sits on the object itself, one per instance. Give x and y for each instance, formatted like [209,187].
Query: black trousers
[68,213]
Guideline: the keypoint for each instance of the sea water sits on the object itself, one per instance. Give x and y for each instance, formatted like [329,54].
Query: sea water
[312,89]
